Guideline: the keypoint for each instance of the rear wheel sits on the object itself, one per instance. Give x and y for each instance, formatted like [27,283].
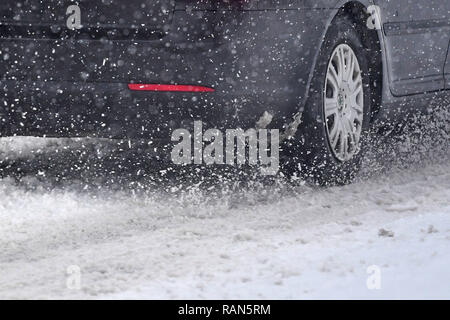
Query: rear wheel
[329,143]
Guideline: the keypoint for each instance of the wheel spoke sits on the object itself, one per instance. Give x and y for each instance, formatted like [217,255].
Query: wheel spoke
[341,64]
[348,124]
[334,78]
[331,107]
[355,82]
[354,96]
[353,115]
[349,67]
[334,134]
[352,68]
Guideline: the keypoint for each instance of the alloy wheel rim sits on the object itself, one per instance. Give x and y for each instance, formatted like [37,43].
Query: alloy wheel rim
[344,103]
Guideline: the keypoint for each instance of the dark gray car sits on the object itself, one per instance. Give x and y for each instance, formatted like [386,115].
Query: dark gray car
[321,71]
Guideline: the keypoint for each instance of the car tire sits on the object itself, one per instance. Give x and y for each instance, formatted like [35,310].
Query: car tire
[313,152]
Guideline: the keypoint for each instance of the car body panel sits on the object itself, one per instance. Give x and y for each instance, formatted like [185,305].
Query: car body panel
[417,33]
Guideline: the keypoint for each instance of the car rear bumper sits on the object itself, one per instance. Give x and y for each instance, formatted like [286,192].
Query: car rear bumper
[112,110]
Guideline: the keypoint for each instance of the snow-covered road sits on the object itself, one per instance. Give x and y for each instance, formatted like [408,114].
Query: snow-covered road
[131,238]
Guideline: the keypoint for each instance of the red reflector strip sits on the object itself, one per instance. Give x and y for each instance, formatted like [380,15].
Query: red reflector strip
[168,87]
